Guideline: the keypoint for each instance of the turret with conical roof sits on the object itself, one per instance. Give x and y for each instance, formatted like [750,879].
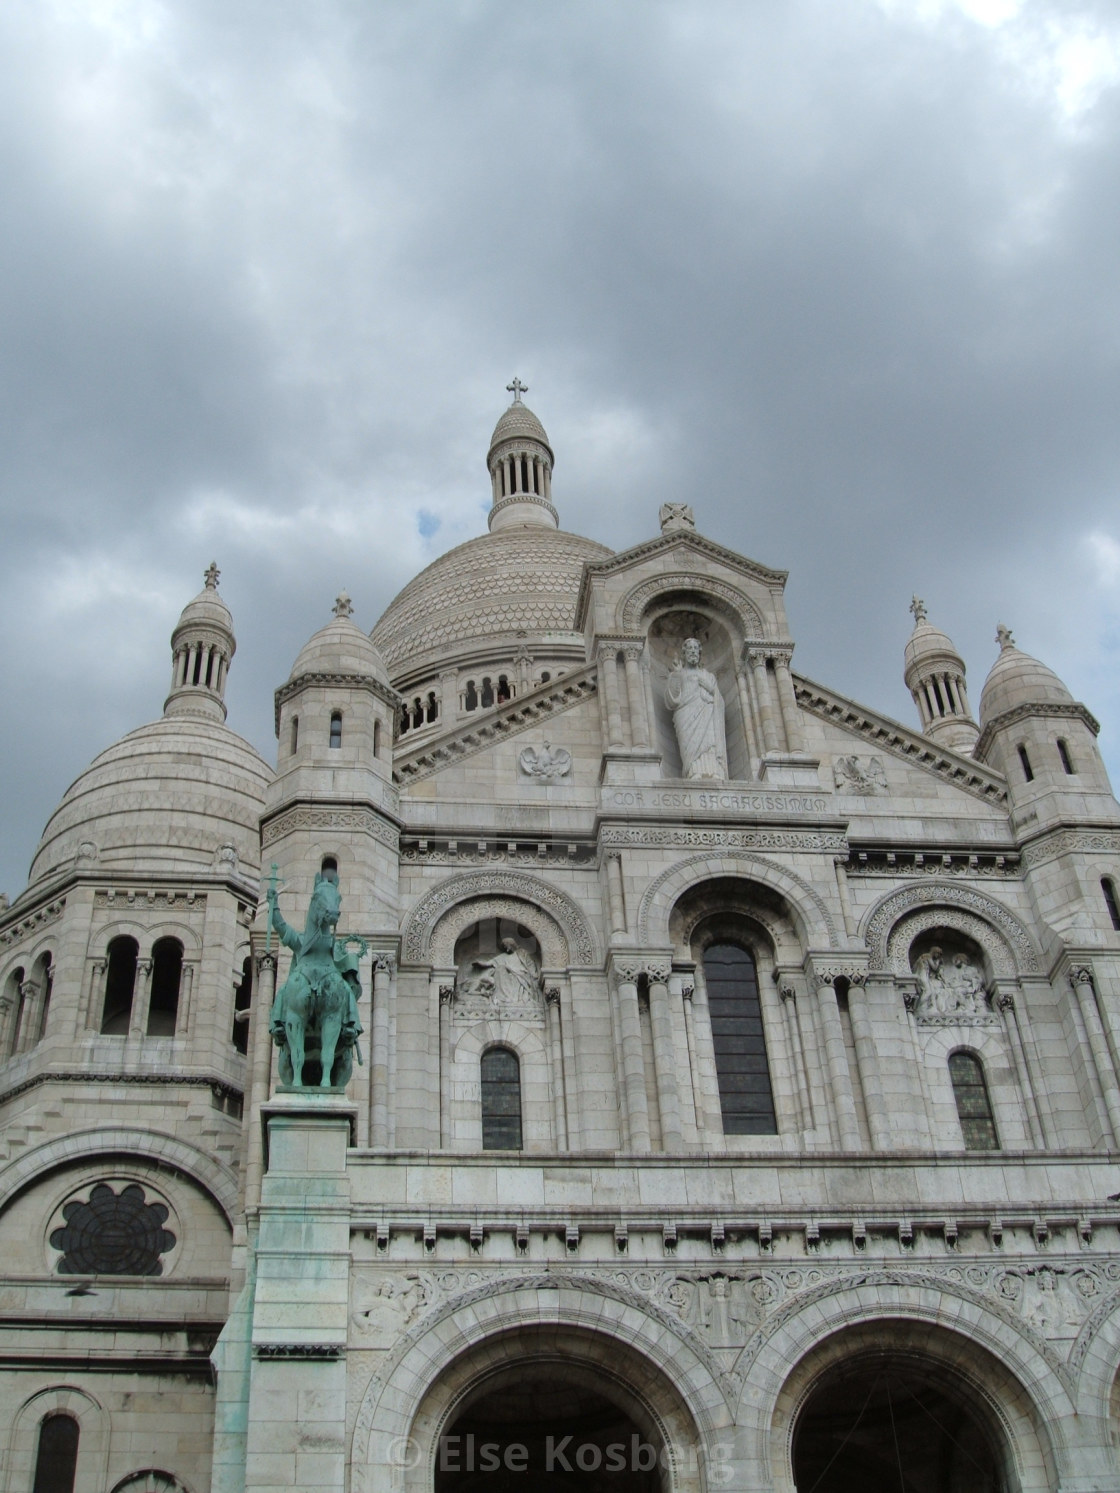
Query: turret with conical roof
[202,646]
[935,677]
[520,463]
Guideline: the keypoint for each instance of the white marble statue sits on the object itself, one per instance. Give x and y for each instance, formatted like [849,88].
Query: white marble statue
[510,978]
[692,694]
[950,990]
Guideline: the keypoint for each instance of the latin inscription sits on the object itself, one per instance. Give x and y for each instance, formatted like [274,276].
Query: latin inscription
[716,799]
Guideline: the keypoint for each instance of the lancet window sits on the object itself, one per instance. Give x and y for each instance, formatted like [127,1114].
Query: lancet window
[56,1456]
[120,985]
[167,974]
[501,1100]
[974,1106]
[745,1094]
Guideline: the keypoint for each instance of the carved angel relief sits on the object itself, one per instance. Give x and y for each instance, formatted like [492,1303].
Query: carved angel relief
[546,764]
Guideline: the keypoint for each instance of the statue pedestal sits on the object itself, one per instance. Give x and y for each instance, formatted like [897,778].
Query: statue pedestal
[790,770]
[296,1422]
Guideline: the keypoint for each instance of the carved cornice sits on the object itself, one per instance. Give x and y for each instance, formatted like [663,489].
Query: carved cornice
[724,839]
[383,692]
[1061,841]
[759,650]
[890,736]
[365,820]
[525,497]
[50,912]
[826,969]
[478,734]
[303,1351]
[163,1079]
[1074,711]
[148,896]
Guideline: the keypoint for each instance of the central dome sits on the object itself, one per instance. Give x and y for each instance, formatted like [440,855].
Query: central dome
[491,589]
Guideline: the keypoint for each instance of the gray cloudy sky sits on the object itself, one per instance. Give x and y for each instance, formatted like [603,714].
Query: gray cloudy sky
[841,273]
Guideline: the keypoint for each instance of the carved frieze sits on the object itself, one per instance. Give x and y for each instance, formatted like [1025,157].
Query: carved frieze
[1061,842]
[327,816]
[725,839]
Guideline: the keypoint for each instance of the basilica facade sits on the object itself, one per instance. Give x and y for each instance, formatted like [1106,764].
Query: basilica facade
[737,1097]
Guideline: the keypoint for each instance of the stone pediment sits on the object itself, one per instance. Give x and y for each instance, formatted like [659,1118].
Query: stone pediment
[695,555]
[883,735]
[530,712]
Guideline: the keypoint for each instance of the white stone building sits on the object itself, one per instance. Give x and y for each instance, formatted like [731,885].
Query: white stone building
[741,1094]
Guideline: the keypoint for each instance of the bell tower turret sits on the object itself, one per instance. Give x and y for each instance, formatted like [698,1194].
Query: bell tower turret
[520,463]
[935,677]
[202,646]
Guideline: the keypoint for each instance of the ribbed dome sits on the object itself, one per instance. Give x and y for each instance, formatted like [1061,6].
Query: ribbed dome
[341,647]
[206,610]
[927,641]
[519,580]
[164,799]
[1018,679]
[519,424]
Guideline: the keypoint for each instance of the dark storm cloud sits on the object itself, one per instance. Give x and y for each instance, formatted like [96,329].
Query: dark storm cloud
[842,276]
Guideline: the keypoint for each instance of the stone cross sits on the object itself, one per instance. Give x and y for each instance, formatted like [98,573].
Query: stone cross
[918,607]
[1003,637]
[517,388]
[211,576]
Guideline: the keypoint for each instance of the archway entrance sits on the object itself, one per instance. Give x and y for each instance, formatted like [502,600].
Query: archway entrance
[898,1425]
[552,1426]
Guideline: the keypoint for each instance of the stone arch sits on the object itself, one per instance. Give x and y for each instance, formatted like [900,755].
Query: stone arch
[536,1081]
[121,1141]
[988,1044]
[811,916]
[1020,1376]
[728,601]
[529,892]
[1095,1360]
[150,1480]
[457,919]
[1004,937]
[416,1390]
[93,1436]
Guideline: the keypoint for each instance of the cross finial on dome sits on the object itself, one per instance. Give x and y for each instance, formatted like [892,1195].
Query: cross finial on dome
[918,607]
[342,605]
[1004,638]
[517,388]
[211,576]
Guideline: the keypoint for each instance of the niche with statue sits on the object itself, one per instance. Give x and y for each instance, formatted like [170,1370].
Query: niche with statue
[498,971]
[952,978]
[698,718]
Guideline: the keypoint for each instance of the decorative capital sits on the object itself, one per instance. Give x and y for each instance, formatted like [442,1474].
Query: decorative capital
[1081,974]
[627,971]
[632,651]
[910,998]
[552,995]
[786,991]
[659,970]
[100,966]
[144,966]
[687,992]
[446,992]
[383,964]
[267,960]
[1005,1001]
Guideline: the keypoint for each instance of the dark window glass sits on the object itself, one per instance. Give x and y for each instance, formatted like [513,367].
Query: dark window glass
[487,694]
[503,689]
[120,983]
[973,1105]
[744,1075]
[113,1234]
[1063,753]
[336,728]
[1110,901]
[167,974]
[470,699]
[431,710]
[1028,770]
[295,732]
[56,1460]
[242,1000]
[501,1100]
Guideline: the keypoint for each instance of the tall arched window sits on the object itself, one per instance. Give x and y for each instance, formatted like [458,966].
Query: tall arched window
[295,734]
[167,975]
[1025,763]
[242,1000]
[336,728]
[14,993]
[56,1457]
[501,1100]
[1067,760]
[120,983]
[44,979]
[745,1095]
[1110,901]
[974,1107]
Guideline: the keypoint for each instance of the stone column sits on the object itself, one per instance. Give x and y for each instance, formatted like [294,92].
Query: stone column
[1084,989]
[379,1051]
[633,1060]
[608,684]
[556,1055]
[867,1058]
[757,657]
[89,1016]
[788,996]
[680,1004]
[615,893]
[843,1100]
[524,662]
[787,701]
[141,998]
[635,694]
[449,697]
[706,1058]
[1004,1002]
[446,995]
[260,1074]
[28,1033]
[664,1058]
[750,725]
[186,993]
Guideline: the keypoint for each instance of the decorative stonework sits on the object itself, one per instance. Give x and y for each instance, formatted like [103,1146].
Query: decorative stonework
[860,775]
[946,905]
[148,897]
[503,852]
[362,682]
[927,864]
[633,607]
[478,733]
[48,913]
[832,841]
[113,1233]
[674,516]
[529,890]
[328,816]
[545,764]
[1061,842]
[1053,710]
[953,994]
[744,867]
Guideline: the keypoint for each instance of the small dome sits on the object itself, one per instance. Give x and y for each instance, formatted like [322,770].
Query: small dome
[1018,679]
[927,641]
[207,609]
[168,798]
[519,424]
[341,647]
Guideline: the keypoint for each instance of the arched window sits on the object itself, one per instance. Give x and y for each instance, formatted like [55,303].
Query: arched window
[1028,770]
[377,738]
[545,677]
[406,719]
[503,689]
[242,1000]
[120,983]
[328,868]
[501,1100]
[745,1095]
[487,694]
[974,1107]
[56,1457]
[431,710]
[336,728]
[1110,901]
[14,993]
[295,734]
[44,978]
[1063,753]
[167,974]
[470,699]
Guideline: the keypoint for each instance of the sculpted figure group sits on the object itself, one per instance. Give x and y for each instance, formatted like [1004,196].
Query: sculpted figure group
[509,978]
[950,990]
